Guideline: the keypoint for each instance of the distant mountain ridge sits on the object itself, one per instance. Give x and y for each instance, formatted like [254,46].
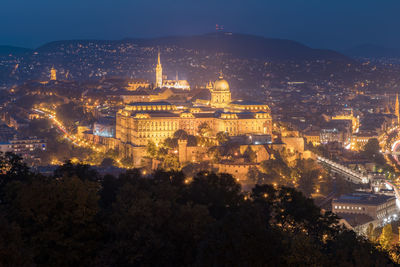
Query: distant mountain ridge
[372,51]
[243,45]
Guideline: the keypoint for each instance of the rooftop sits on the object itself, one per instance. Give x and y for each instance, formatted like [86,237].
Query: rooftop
[355,219]
[159,114]
[363,198]
[247,102]
[160,103]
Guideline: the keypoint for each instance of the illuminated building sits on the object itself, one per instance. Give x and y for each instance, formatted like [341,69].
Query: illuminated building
[220,94]
[178,84]
[160,82]
[247,105]
[104,127]
[133,85]
[358,211]
[374,205]
[24,147]
[313,137]
[140,122]
[359,140]
[53,74]
[355,120]
[209,85]
[239,170]
[330,135]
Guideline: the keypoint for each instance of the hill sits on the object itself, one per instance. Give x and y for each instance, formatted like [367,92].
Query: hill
[372,51]
[240,45]
[14,50]
[249,46]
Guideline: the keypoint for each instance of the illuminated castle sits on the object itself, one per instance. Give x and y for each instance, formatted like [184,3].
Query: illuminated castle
[141,122]
[160,82]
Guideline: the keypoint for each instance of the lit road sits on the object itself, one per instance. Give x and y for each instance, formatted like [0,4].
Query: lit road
[72,138]
[353,176]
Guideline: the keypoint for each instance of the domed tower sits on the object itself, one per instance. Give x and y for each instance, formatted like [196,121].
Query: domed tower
[220,94]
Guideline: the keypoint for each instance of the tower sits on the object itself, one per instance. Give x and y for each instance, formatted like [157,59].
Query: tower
[397,109]
[159,77]
[182,150]
[220,93]
[53,74]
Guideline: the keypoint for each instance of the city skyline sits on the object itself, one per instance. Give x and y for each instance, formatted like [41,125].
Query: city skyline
[199,133]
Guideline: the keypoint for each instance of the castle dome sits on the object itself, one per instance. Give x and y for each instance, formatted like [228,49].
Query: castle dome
[221,84]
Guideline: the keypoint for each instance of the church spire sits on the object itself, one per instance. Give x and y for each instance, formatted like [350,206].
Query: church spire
[159,79]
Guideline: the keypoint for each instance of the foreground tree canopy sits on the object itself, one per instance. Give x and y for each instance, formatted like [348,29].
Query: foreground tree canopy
[76,217]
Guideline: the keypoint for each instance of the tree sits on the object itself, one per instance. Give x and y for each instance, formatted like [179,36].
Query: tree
[250,155]
[59,225]
[395,253]
[253,175]
[151,149]
[371,151]
[371,233]
[192,140]
[215,154]
[82,171]
[276,170]
[307,173]
[12,169]
[386,238]
[170,162]
[307,181]
[171,143]
[204,130]
[230,149]
[107,162]
[372,146]
[127,161]
[222,137]
[77,217]
[219,192]
[181,134]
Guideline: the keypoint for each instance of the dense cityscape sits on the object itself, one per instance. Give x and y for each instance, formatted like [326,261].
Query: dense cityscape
[220,149]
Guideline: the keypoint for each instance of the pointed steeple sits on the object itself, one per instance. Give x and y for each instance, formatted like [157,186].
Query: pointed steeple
[159,79]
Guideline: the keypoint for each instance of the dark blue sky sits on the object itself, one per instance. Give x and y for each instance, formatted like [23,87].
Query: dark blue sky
[319,23]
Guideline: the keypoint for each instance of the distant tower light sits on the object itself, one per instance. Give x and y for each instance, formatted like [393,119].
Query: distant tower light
[53,74]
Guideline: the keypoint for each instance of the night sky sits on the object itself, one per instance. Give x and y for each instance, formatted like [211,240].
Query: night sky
[337,24]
